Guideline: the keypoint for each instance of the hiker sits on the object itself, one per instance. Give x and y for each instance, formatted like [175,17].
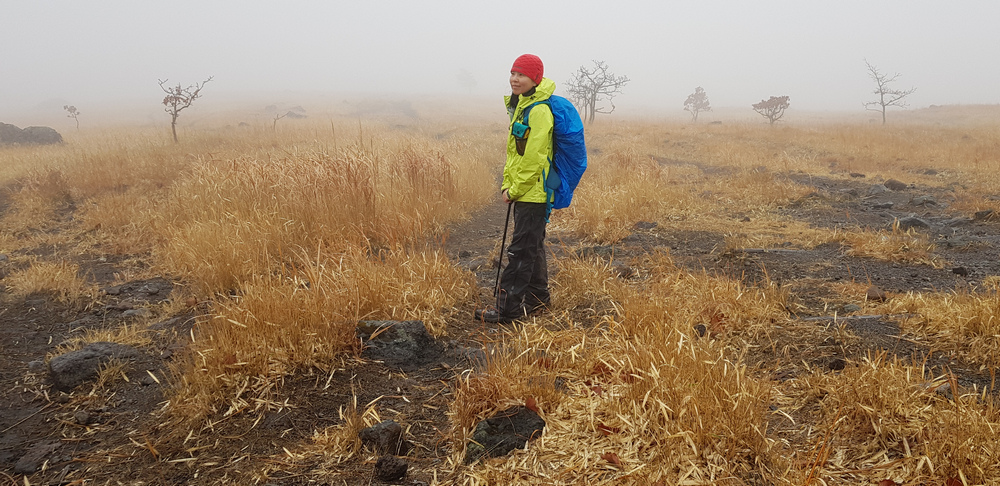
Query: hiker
[524,284]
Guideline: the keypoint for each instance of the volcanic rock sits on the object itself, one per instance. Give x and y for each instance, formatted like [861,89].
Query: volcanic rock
[402,344]
[894,185]
[390,468]
[76,367]
[508,430]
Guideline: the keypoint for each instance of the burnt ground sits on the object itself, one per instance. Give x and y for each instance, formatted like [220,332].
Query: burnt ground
[113,434]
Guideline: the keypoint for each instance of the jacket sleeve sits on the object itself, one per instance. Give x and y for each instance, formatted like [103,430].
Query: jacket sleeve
[526,171]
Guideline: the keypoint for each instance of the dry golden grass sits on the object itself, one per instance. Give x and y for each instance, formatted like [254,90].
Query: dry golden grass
[295,235]
[883,419]
[672,407]
[60,279]
[894,246]
[966,323]
[287,323]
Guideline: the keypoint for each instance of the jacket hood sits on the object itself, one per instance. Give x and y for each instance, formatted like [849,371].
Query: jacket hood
[544,89]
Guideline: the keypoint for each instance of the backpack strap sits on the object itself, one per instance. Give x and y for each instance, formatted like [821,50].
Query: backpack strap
[549,192]
[527,110]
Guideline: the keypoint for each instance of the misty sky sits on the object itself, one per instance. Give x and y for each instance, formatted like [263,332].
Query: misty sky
[93,53]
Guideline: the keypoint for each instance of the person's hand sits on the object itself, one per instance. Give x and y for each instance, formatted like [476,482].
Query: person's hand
[506,197]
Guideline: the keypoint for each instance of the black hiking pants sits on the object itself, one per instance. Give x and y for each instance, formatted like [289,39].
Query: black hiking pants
[524,283]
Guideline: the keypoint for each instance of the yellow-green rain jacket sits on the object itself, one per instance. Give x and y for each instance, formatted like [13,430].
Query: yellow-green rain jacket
[523,175]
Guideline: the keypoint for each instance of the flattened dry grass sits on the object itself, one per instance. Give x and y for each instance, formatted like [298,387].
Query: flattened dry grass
[881,419]
[964,322]
[894,246]
[644,398]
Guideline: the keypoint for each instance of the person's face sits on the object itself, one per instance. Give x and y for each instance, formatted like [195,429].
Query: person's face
[519,83]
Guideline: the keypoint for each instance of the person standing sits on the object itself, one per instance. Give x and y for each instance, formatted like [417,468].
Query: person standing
[524,283]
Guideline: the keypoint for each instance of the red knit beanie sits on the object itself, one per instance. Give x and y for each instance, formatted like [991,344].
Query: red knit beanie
[529,65]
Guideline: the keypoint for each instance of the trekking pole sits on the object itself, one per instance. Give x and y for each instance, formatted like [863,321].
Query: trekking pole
[503,242]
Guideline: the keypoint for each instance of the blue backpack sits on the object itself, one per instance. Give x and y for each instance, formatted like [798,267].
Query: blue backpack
[569,151]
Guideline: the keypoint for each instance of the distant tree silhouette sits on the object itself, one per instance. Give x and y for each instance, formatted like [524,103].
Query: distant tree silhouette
[773,108]
[588,87]
[277,117]
[697,102]
[73,113]
[886,95]
[179,98]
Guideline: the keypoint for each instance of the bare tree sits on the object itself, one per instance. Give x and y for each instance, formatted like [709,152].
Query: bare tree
[773,108]
[697,102]
[886,95]
[179,98]
[73,113]
[277,117]
[588,87]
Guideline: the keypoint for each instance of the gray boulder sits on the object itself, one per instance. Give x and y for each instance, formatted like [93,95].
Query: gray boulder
[385,438]
[894,185]
[403,344]
[877,189]
[504,432]
[390,468]
[912,222]
[34,458]
[69,370]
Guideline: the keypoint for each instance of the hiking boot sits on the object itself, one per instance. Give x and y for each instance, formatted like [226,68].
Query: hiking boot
[531,308]
[492,316]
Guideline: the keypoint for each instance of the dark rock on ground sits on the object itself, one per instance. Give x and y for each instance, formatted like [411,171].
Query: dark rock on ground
[625,272]
[474,357]
[69,370]
[403,344]
[385,438]
[35,457]
[883,205]
[851,308]
[166,324]
[857,175]
[924,201]
[912,222]
[960,271]
[955,222]
[894,185]
[984,215]
[876,189]
[876,294]
[390,468]
[142,312]
[82,417]
[508,430]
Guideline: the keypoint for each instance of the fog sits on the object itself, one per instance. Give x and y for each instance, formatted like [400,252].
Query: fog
[108,54]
